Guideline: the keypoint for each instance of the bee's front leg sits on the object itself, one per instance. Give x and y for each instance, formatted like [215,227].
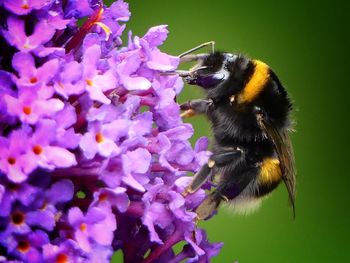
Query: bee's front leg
[226,156]
[198,106]
[217,160]
[199,178]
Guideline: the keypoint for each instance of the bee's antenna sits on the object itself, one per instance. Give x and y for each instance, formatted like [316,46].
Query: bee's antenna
[210,43]
[193,57]
[193,70]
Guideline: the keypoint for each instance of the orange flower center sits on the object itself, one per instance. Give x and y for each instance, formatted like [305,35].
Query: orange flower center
[33,80]
[11,160]
[25,6]
[62,258]
[17,218]
[89,82]
[37,149]
[27,110]
[99,137]
[23,246]
[83,227]
[102,197]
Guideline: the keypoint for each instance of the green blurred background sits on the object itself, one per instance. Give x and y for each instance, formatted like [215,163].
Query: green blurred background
[307,44]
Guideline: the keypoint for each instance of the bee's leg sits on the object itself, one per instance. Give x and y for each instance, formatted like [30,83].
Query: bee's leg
[216,160]
[234,180]
[210,43]
[198,105]
[194,107]
[209,205]
[199,178]
[187,114]
[181,73]
[225,157]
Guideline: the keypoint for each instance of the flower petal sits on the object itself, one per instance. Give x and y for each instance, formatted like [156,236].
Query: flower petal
[60,157]
[61,191]
[88,145]
[156,35]
[24,64]
[140,156]
[83,241]
[75,216]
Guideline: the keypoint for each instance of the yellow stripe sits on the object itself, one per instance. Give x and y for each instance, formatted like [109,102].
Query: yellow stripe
[270,171]
[256,83]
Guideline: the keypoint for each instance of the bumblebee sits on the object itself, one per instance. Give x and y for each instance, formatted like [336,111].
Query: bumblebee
[249,110]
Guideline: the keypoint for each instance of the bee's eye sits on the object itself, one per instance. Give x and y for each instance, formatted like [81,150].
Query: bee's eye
[207,80]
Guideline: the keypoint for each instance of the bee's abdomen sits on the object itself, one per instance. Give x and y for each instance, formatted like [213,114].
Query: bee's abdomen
[270,171]
[269,176]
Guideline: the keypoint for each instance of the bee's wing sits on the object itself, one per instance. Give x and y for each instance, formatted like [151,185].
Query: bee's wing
[284,149]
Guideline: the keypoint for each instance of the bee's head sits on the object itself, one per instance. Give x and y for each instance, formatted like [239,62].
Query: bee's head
[213,70]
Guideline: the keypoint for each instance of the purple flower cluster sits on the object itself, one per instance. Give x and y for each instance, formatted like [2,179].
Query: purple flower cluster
[93,152]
